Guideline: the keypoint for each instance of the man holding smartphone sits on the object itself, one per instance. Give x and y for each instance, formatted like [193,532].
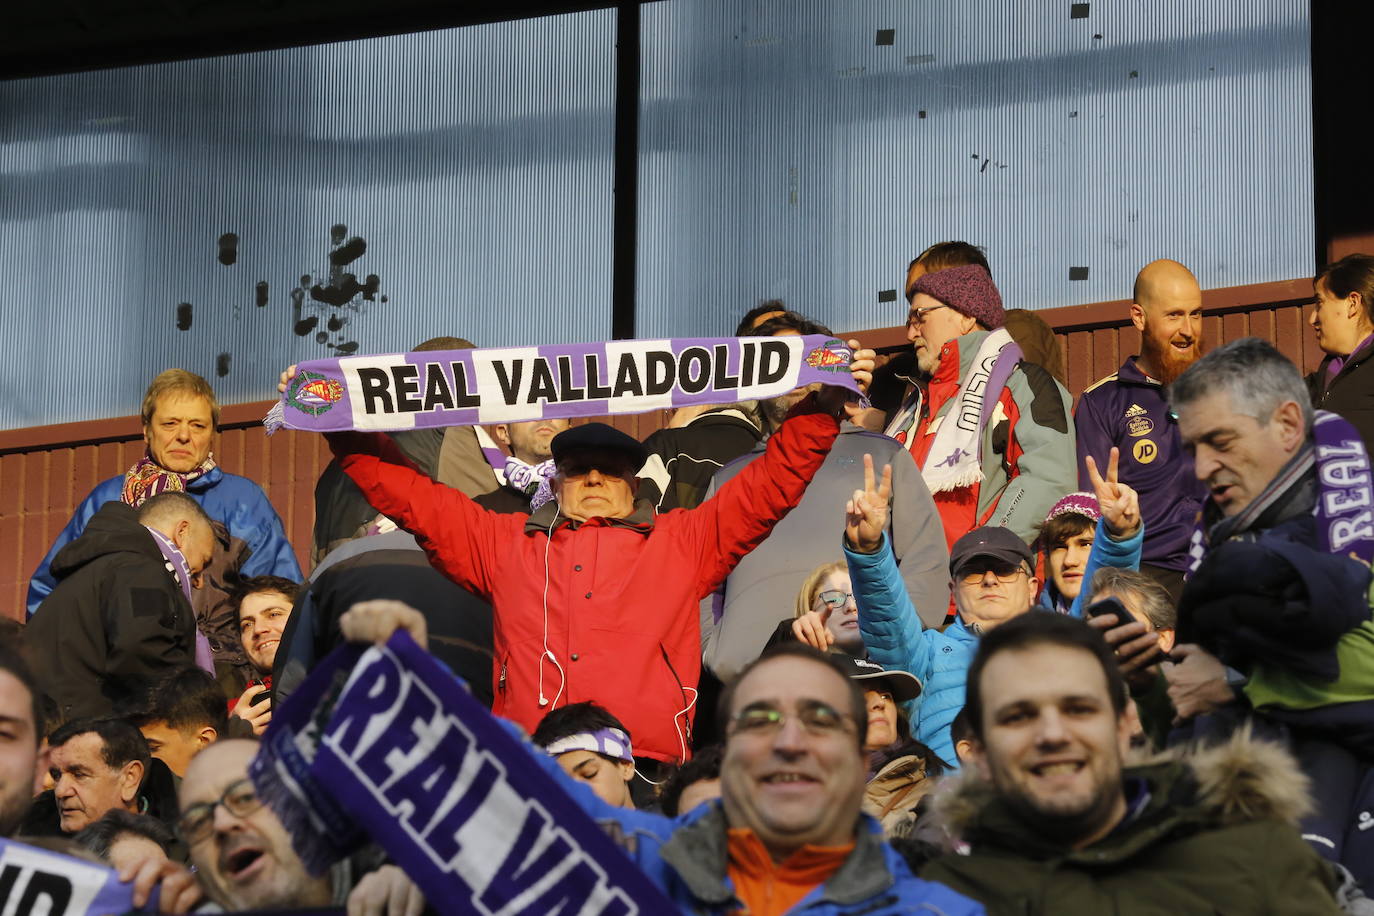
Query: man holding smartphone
[263,605]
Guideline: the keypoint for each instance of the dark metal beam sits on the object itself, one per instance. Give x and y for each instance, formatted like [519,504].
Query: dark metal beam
[624,226]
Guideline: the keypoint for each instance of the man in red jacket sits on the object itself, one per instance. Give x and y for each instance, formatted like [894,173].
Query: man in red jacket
[594,596]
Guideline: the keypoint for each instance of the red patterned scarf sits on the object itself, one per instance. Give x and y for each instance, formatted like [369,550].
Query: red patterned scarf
[147,478]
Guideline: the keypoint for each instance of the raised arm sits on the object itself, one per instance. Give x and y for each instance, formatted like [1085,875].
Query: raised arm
[888,622]
[745,509]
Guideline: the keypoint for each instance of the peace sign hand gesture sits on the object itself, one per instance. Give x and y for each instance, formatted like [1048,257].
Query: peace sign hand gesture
[1119,503]
[865,516]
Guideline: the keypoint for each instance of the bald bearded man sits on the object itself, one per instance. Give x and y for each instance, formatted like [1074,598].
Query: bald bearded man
[1128,410]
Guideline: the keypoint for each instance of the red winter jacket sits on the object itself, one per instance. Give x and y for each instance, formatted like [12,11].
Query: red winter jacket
[622,609]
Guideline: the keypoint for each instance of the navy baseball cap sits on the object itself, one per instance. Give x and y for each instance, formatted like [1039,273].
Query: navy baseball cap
[989,541]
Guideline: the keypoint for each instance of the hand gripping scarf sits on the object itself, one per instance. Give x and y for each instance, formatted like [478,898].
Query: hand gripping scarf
[385,744]
[467,387]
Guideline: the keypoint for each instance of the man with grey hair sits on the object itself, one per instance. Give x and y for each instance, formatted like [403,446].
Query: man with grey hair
[120,616]
[1274,626]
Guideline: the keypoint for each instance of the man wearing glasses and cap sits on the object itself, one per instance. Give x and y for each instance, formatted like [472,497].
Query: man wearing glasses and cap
[991,576]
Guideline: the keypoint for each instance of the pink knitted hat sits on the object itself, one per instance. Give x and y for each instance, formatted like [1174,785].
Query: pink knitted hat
[968,289]
[1081,503]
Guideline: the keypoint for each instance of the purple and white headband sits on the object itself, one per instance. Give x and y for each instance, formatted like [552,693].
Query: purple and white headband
[608,742]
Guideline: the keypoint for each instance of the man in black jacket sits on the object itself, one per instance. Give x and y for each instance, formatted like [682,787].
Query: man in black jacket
[121,615]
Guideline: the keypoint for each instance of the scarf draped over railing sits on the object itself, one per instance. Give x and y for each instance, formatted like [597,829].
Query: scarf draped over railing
[511,385]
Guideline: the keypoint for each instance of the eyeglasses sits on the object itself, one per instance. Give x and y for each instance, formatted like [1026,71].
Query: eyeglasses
[1005,572]
[834,598]
[918,316]
[240,800]
[815,718]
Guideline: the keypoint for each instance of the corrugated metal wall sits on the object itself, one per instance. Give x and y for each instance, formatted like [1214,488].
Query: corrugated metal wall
[45,472]
[808,149]
[208,213]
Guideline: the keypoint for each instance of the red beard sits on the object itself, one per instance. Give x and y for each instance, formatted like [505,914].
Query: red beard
[1168,361]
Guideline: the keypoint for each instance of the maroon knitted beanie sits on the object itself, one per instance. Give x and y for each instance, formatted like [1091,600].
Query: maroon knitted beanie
[968,289]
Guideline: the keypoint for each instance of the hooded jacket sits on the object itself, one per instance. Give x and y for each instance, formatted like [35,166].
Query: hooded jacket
[603,609]
[1215,834]
[1027,446]
[116,620]
[256,545]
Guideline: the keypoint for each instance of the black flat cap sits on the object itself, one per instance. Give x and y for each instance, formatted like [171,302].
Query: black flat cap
[598,436]
[989,541]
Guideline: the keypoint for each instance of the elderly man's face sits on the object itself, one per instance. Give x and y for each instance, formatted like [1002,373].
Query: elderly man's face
[798,779]
[244,861]
[931,324]
[1235,455]
[86,787]
[262,618]
[178,435]
[596,483]
[1052,740]
[18,752]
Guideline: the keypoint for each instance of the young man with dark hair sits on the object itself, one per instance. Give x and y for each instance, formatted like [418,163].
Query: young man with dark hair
[183,715]
[591,746]
[262,606]
[1058,825]
[695,782]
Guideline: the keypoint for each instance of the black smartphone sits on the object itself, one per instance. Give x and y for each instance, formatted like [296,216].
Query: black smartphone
[1110,605]
[265,695]
[1113,605]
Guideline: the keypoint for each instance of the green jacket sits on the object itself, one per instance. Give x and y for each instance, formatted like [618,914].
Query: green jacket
[1217,836]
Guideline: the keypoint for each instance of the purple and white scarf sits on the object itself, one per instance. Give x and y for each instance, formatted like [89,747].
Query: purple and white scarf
[511,385]
[531,479]
[384,744]
[1345,495]
[955,459]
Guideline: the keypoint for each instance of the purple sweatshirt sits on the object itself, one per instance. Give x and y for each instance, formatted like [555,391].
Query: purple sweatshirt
[1128,410]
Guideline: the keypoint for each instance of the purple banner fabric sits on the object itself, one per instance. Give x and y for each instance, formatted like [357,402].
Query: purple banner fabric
[510,385]
[407,756]
[34,880]
[1345,501]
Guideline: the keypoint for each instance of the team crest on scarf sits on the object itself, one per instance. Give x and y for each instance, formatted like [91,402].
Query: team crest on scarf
[832,356]
[314,394]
